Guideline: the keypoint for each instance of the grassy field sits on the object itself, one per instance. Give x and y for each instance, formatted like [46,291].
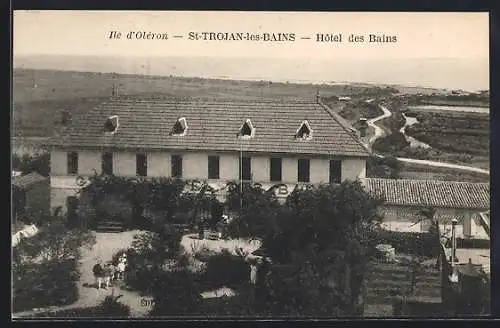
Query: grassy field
[458,133]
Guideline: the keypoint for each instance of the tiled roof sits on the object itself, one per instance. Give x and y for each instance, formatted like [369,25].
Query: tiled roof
[430,193]
[146,123]
[27,180]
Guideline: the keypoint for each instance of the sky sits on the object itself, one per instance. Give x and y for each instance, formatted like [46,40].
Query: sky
[457,41]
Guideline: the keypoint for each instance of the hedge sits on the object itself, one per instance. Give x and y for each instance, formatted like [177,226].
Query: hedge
[47,284]
[226,269]
[412,243]
[471,243]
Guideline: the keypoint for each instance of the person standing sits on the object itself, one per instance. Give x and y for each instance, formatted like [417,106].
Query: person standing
[122,266]
[98,272]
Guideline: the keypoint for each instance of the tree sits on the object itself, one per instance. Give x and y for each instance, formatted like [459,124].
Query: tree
[55,242]
[428,214]
[330,230]
[256,208]
[39,162]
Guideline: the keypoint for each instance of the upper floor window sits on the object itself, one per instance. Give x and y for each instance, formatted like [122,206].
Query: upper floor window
[304,132]
[335,171]
[111,124]
[72,163]
[245,168]
[213,167]
[303,169]
[180,127]
[276,164]
[107,163]
[141,165]
[247,130]
[176,166]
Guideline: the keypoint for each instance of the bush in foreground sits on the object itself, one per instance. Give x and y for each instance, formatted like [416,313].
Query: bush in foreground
[110,307]
[47,284]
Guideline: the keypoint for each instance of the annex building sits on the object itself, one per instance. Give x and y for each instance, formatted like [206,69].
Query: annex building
[466,202]
[269,142]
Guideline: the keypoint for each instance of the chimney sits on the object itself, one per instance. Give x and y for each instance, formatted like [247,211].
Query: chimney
[318,99]
[65,117]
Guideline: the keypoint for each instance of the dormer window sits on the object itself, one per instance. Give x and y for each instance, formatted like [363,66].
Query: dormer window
[111,125]
[180,127]
[304,132]
[247,130]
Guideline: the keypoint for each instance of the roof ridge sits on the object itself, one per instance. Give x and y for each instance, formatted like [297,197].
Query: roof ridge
[428,181]
[147,97]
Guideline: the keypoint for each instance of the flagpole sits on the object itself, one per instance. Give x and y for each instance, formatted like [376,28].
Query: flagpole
[241,177]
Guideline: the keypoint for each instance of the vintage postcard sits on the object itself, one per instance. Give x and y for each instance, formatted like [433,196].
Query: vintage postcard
[264,165]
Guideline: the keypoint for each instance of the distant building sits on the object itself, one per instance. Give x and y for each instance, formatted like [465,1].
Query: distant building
[31,196]
[404,199]
[268,142]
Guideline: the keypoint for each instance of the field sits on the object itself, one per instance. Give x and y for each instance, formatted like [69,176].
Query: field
[465,135]
[389,280]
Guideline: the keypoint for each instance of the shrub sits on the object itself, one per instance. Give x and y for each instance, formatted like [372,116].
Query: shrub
[110,307]
[46,284]
[226,269]
[413,243]
[176,293]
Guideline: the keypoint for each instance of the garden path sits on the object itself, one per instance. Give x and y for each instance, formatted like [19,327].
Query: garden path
[107,244]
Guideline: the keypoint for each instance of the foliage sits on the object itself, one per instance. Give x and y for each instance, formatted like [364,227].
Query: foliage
[45,266]
[110,307]
[392,143]
[298,289]
[383,167]
[321,218]
[442,130]
[327,233]
[176,293]
[256,207]
[156,202]
[39,162]
[226,269]
[55,241]
[413,243]
[44,284]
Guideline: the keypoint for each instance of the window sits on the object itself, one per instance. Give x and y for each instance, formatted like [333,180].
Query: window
[335,171]
[180,127]
[72,163]
[245,169]
[107,163]
[247,130]
[304,132]
[111,124]
[303,170]
[176,163]
[141,165]
[276,169]
[213,167]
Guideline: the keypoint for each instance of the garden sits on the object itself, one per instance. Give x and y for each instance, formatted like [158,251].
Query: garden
[310,256]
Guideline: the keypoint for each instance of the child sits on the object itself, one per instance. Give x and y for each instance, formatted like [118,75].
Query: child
[98,272]
[109,272]
[122,265]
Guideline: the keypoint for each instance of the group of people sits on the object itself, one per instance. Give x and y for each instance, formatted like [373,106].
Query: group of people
[108,272]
